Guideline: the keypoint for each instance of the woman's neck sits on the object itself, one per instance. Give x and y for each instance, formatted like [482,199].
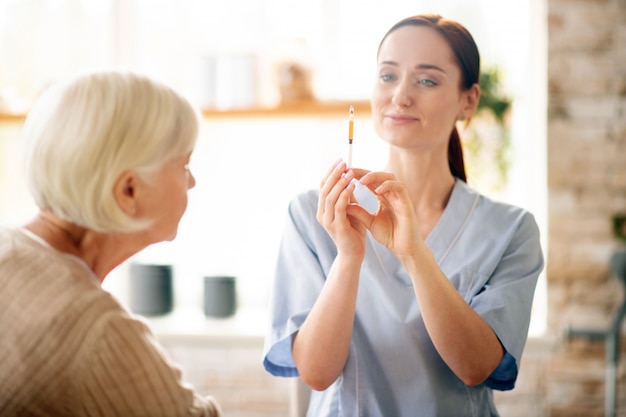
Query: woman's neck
[429,183]
[100,251]
[428,180]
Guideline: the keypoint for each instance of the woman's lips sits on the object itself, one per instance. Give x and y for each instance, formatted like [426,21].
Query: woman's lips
[401,118]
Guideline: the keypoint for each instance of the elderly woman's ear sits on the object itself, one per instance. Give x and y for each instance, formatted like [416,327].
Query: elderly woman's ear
[125,192]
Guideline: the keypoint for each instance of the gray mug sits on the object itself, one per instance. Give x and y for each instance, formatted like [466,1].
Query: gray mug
[220,296]
[151,289]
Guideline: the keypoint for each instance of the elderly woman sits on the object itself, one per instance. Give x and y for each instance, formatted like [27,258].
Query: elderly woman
[108,168]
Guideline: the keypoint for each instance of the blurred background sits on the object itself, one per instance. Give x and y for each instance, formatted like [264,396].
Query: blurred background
[275,79]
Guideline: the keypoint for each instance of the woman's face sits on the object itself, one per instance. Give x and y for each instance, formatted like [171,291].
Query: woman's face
[417,96]
[165,198]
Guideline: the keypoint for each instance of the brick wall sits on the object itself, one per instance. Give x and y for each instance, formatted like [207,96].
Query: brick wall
[586,186]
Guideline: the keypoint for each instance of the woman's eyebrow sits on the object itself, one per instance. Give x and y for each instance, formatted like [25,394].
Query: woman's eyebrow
[430,67]
[419,67]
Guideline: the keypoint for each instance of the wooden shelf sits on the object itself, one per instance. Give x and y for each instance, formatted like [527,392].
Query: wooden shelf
[12,117]
[303,109]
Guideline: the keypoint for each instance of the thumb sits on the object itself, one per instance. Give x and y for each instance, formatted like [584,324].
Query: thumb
[360,214]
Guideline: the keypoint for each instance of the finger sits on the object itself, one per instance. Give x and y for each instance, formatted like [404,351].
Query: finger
[332,169]
[327,184]
[332,202]
[390,186]
[375,179]
[360,214]
[359,172]
[395,194]
[343,200]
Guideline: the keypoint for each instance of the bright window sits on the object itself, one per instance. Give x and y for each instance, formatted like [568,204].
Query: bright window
[259,165]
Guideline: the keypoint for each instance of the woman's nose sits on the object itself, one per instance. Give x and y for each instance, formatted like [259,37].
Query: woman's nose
[402,95]
[192,181]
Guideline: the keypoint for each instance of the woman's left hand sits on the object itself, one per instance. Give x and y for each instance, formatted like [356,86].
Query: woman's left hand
[395,223]
[458,333]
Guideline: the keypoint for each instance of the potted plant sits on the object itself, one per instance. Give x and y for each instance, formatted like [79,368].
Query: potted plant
[487,141]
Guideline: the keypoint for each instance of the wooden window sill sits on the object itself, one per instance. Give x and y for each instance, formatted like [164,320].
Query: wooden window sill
[301,109]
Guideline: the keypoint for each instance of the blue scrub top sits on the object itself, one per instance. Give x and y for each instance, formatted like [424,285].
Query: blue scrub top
[490,252]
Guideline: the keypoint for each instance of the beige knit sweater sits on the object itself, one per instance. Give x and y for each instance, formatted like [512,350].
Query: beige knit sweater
[68,348]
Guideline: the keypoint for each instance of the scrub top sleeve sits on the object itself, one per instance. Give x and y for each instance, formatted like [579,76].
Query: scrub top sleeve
[298,281]
[505,301]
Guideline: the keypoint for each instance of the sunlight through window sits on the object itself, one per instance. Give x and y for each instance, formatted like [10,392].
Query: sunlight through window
[234,54]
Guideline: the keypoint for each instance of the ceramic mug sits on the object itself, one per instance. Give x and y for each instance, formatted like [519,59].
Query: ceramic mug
[151,289]
[220,296]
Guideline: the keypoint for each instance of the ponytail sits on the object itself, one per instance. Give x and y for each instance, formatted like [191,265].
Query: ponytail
[455,156]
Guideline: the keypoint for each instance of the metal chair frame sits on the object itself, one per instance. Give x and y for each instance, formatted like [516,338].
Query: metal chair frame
[611,338]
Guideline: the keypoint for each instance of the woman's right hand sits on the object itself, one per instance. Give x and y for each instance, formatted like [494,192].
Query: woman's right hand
[336,193]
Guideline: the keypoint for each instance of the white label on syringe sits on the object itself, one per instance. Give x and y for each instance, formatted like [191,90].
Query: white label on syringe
[365,197]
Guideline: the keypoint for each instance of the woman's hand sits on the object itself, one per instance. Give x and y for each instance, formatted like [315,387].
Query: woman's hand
[335,196]
[395,223]
[458,333]
[320,348]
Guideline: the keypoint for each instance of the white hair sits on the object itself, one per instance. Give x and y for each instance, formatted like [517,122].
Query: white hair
[85,132]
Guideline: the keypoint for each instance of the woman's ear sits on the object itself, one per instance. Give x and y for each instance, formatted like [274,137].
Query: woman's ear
[125,192]
[471,98]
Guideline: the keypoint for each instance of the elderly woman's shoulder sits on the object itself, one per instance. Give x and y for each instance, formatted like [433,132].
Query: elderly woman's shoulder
[33,269]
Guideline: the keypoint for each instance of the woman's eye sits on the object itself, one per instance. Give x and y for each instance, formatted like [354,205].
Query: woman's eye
[426,82]
[386,77]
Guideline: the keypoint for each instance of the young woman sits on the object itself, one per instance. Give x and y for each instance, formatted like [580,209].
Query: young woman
[422,308]
[108,169]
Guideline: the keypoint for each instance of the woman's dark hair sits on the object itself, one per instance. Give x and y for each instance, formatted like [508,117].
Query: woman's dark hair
[467,57]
